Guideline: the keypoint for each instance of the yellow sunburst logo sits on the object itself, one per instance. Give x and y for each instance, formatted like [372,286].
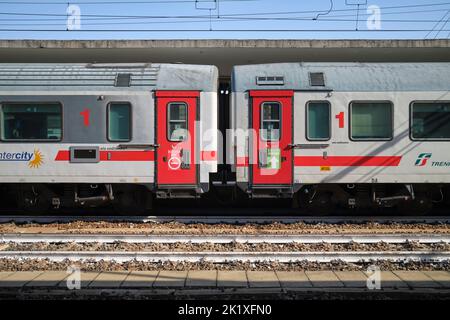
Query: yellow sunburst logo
[38,159]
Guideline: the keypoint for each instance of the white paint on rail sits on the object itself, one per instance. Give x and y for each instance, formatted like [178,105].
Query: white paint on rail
[220,238]
[224,257]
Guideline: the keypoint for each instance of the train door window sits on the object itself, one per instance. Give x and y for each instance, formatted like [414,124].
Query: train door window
[318,120]
[177,121]
[270,121]
[29,121]
[119,121]
[371,121]
[430,121]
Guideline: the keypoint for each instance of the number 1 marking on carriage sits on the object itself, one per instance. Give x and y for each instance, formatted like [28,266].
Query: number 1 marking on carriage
[85,114]
[340,117]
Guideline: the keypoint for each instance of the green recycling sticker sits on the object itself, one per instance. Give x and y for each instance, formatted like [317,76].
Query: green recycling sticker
[273,159]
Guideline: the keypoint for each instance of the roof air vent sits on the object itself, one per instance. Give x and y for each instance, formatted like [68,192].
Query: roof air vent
[270,81]
[123,80]
[316,79]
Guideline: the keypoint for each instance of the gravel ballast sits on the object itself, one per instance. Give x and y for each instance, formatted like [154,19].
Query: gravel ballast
[86,227]
[218,247]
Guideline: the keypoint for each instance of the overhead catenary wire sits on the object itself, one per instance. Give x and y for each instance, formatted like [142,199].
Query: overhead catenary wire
[219,30]
[207,16]
[239,18]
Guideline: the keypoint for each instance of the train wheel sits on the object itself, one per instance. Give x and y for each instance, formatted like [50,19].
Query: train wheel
[34,199]
[421,205]
[133,201]
[321,204]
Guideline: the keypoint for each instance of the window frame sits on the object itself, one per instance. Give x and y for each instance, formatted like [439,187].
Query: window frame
[108,109]
[61,108]
[168,120]
[307,120]
[370,139]
[411,104]
[261,111]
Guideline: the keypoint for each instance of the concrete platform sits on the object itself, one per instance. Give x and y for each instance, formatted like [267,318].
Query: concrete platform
[140,279]
[109,279]
[324,279]
[417,279]
[262,279]
[19,279]
[352,279]
[202,278]
[170,279]
[4,274]
[48,279]
[293,279]
[224,281]
[442,277]
[85,279]
[390,280]
[233,279]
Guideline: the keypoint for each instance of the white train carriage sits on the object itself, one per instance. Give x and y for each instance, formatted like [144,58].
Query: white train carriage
[356,134]
[93,133]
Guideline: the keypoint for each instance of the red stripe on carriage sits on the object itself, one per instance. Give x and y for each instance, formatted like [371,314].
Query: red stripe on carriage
[348,161]
[144,155]
[338,161]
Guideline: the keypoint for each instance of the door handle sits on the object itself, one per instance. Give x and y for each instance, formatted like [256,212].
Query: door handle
[283,159]
[165,159]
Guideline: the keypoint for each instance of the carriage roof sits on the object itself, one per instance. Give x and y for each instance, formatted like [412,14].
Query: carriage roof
[111,77]
[348,77]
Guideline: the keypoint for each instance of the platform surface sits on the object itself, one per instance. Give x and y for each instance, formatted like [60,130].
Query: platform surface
[220,280]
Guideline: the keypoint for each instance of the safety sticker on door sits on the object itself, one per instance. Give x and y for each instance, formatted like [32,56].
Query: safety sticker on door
[273,159]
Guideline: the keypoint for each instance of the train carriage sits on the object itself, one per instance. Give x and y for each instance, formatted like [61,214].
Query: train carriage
[87,134]
[354,134]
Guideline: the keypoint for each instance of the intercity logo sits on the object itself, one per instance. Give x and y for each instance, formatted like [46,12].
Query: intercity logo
[422,159]
[35,159]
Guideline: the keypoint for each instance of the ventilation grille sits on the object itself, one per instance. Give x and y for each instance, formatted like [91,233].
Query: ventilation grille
[123,80]
[316,79]
[270,81]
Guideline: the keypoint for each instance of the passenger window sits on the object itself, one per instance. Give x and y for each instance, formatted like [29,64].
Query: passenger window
[371,121]
[430,120]
[31,121]
[318,121]
[119,121]
[177,121]
[270,121]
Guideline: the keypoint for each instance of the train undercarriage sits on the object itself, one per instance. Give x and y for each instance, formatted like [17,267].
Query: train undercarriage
[323,199]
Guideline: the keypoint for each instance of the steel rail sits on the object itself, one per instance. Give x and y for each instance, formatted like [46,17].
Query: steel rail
[229,256]
[366,238]
[214,219]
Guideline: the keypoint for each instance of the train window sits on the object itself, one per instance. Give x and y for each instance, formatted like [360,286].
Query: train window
[30,121]
[430,121]
[119,121]
[177,121]
[318,120]
[270,121]
[371,121]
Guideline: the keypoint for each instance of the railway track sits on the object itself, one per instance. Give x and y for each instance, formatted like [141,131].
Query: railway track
[227,219]
[227,257]
[225,238]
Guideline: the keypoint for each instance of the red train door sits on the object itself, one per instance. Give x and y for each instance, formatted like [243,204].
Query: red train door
[272,123]
[176,160]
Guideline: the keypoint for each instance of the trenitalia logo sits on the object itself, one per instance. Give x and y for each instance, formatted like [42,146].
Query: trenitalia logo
[422,159]
[34,159]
